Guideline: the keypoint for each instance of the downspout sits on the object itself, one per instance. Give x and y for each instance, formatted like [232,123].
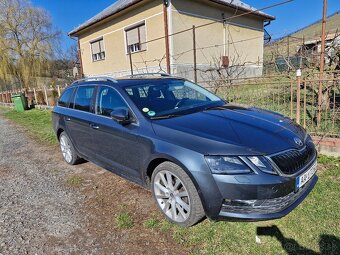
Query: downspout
[224,36]
[166,30]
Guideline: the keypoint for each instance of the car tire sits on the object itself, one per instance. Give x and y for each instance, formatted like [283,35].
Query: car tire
[178,198]
[67,150]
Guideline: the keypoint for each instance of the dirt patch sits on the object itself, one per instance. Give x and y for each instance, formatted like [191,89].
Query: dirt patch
[42,213]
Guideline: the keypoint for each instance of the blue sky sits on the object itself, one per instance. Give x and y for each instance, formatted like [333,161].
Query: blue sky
[67,14]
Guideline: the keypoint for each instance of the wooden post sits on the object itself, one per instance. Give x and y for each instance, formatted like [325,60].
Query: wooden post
[58,89]
[46,95]
[166,38]
[131,66]
[35,96]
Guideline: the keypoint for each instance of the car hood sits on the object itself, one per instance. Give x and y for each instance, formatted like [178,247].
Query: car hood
[231,130]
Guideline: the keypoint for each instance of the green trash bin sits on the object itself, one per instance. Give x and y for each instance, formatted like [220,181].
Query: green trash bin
[20,102]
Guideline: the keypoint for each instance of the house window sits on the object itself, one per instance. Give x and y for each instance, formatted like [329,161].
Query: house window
[136,38]
[97,48]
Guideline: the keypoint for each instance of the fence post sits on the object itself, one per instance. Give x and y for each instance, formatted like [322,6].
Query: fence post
[35,96]
[46,98]
[304,103]
[131,65]
[291,99]
[298,75]
[194,51]
[58,88]
[334,102]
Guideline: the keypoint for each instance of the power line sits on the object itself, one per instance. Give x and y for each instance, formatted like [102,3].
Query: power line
[222,20]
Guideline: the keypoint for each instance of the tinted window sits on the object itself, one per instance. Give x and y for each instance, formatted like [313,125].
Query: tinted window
[83,98]
[65,97]
[108,100]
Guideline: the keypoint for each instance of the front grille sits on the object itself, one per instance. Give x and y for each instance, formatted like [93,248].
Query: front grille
[291,162]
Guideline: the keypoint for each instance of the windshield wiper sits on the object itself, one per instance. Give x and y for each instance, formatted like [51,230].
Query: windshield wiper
[167,116]
[216,107]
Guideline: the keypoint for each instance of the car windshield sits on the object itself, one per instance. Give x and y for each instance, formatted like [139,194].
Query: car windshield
[169,98]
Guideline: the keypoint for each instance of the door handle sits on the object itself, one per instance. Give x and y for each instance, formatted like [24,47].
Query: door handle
[94,126]
[67,118]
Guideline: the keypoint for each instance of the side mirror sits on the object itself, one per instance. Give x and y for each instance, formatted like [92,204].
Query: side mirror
[121,115]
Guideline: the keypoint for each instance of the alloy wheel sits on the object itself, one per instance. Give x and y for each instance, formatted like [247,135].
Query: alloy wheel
[172,196]
[66,149]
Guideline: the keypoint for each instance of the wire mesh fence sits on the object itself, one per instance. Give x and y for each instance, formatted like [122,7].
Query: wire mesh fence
[280,94]
[273,93]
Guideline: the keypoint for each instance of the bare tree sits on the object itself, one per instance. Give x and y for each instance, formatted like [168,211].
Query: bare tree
[26,43]
[218,76]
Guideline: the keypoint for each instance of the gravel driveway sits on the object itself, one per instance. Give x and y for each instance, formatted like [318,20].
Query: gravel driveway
[40,213]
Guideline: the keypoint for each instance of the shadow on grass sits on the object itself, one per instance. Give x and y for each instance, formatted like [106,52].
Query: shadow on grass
[328,244]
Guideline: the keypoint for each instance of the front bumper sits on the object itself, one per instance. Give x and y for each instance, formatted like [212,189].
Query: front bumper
[266,209]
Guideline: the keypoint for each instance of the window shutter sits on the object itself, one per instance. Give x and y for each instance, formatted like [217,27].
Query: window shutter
[95,47]
[142,33]
[132,36]
[101,44]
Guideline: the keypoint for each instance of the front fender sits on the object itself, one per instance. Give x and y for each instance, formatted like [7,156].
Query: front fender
[194,165]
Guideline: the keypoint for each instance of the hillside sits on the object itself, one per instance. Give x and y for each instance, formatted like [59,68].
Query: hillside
[288,45]
[314,30]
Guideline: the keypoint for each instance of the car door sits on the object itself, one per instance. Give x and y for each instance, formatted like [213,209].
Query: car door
[116,145]
[78,121]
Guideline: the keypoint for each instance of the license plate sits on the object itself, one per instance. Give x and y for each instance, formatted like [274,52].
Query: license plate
[305,177]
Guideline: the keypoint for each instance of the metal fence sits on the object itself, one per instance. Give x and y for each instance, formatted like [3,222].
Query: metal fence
[284,94]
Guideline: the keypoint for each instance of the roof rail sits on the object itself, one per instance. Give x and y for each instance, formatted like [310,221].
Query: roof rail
[98,78]
[149,74]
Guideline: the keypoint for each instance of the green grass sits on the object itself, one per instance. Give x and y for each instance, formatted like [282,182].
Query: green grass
[38,123]
[152,223]
[124,220]
[75,180]
[313,225]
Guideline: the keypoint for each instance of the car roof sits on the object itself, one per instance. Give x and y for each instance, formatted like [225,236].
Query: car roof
[123,81]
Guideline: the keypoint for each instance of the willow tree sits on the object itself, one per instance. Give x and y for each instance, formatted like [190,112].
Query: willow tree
[27,42]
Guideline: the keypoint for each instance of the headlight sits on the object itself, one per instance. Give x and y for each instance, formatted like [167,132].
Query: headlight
[227,165]
[263,164]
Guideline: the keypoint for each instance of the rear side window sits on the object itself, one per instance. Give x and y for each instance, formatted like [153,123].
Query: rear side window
[83,98]
[65,97]
[108,100]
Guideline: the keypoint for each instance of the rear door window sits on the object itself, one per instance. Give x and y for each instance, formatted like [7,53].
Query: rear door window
[83,98]
[65,97]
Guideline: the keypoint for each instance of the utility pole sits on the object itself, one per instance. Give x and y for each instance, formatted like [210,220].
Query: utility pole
[322,60]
